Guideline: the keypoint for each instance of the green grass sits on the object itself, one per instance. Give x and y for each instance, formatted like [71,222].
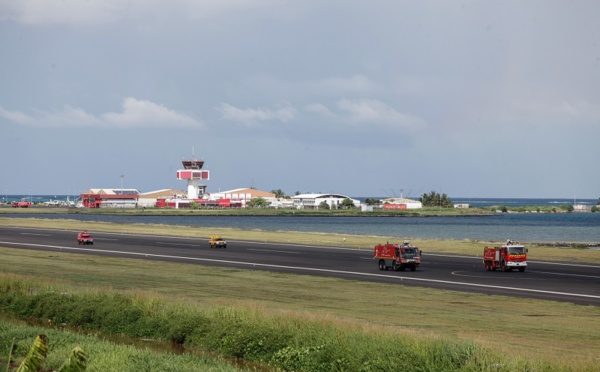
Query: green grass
[290,340]
[103,355]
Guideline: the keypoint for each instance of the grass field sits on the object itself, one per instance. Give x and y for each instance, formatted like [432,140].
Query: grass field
[561,335]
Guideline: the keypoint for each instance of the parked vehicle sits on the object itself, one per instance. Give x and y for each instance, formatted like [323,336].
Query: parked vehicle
[21,204]
[397,257]
[85,237]
[507,257]
[217,242]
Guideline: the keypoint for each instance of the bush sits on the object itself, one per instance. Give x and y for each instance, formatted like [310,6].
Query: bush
[284,342]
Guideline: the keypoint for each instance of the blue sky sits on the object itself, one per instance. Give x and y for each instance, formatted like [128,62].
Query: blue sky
[467,98]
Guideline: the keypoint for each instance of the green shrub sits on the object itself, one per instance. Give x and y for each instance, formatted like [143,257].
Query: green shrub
[289,344]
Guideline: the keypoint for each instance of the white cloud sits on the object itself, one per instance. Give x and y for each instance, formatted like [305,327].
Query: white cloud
[36,12]
[136,113]
[96,12]
[376,112]
[356,84]
[582,110]
[142,112]
[250,116]
[319,108]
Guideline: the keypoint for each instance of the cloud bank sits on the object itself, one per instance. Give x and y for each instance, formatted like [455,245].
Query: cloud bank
[136,113]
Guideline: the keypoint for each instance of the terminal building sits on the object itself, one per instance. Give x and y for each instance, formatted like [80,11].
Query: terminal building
[312,201]
[401,204]
[195,175]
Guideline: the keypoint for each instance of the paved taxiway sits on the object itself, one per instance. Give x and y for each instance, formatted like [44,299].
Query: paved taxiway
[576,283]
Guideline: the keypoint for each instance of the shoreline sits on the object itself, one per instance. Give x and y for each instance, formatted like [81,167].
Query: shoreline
[422,212]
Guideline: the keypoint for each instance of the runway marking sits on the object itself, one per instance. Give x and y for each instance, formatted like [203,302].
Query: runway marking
[400,278]
[177,244]
[36,234]
[528,261]
[366,250]
[269,250]
[564,274]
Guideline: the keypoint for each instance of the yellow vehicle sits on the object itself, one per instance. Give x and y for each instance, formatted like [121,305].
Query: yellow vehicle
[217,242]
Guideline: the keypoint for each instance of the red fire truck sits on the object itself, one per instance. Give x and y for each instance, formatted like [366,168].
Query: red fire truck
[509,256]
[397,256]
[21,204]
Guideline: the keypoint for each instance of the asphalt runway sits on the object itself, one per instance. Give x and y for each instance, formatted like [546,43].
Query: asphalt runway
[565,282]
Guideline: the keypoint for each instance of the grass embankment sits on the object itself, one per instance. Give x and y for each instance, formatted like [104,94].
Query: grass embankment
[301,323]
[104,355]
[287,340]
[298,322]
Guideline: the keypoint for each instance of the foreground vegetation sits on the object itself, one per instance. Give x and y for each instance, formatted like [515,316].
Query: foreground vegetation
[289,342]
[289,322]
[105,355]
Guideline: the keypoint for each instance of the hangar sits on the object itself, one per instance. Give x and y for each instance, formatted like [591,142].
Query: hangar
[110,198]
[239,197]
[312,201]
[401,203]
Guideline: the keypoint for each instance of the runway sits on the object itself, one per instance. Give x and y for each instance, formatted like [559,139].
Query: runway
[565,282]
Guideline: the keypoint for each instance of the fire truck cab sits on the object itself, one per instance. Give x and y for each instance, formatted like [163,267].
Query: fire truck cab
[507,257]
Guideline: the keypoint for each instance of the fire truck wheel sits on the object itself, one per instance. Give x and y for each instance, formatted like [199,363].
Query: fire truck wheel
[394,266]
[381,265]
[521,269]
[413,268]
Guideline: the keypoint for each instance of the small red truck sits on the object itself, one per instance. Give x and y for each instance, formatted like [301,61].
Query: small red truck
[507,257]
[21,204]
[397,256]
[85,237]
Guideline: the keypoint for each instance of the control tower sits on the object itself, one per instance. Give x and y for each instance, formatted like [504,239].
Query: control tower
[193,173]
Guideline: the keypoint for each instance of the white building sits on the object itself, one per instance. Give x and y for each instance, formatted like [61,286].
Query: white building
[149,199]
[401,203]
[242,196]
[312,201]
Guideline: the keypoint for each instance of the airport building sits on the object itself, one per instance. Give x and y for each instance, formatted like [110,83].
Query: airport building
[239,197]
[110,198]
[196,195]
[401,204]
[312,201]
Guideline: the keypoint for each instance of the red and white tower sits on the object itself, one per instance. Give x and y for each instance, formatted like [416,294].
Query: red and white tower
[193,173]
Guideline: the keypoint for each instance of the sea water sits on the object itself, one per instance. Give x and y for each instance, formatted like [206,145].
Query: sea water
[525,227]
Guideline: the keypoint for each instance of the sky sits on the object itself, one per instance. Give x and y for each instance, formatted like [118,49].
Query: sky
[378,98]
